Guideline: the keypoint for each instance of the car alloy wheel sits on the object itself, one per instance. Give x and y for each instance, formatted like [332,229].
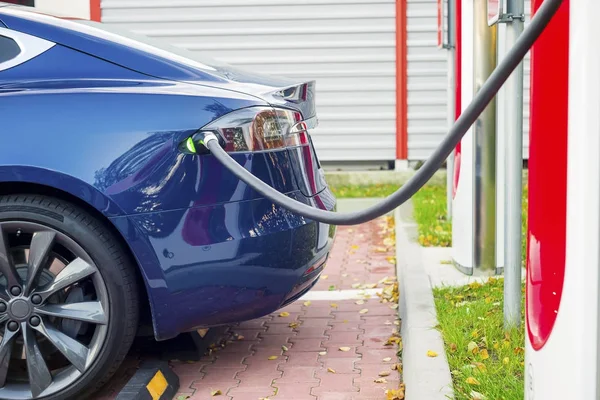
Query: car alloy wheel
[54,310]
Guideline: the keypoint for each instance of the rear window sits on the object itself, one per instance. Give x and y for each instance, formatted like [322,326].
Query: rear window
[9,49]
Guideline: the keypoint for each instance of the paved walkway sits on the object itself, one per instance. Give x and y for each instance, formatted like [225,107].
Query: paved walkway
[338,342]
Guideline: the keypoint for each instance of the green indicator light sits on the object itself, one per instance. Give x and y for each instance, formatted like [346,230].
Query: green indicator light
[190,145]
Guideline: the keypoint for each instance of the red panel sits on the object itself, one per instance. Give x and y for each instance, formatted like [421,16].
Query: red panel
[458,88]
[547,176]
[95,10]
[401,90]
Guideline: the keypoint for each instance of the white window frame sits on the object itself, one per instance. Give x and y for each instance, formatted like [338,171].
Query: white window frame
[31,47]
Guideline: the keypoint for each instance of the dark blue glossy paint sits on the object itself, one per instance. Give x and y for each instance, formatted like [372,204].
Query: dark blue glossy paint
[211,250]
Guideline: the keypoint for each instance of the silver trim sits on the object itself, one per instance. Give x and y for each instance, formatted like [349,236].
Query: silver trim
[31,47]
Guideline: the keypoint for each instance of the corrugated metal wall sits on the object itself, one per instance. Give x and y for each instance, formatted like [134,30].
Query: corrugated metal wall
[348,46]
[427,80]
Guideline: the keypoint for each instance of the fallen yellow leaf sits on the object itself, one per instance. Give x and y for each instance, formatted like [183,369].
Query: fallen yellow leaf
[355,285]
[384,373]
[395,394]
[431,353]
[344,349]
[215,393]
[307,303]
[322,353]
[380,380]
[394,306]
[476,395]
[359,302]
[364,311]
[273,357]
[380,249]
[484,354]
[397,367]
[387,359]
[480,366]
[284,348]
[324,276]
[284,314]
[453,347]
[333,305]
[354,247]
[294,325]
[331,370]
[472,381]
[506,360]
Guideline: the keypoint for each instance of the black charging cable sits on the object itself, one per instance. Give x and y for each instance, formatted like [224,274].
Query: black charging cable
[538,23]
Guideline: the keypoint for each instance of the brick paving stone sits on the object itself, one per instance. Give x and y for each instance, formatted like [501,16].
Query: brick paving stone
[315,323]
[345,327]
[343,337]
[338,383]
[251,393]
[318,312]
[302,344]
[297,375]
[304,359]
[316,333]
[340,365]
[277,329]
[339,396]
[299,391]
[369,356]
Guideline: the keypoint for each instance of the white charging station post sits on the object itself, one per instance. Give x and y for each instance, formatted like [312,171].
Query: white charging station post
[477,226]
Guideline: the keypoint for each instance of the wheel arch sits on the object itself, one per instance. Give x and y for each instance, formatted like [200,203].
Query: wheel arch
[85,203]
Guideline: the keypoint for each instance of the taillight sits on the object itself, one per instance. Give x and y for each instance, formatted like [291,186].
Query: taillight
[260,128]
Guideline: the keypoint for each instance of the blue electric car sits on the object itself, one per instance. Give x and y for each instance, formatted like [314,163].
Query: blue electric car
[113,218]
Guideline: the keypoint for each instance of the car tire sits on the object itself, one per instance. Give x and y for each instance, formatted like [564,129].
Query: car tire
[117,271]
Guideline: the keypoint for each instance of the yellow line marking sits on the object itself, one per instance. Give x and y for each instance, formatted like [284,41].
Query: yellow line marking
[157,385]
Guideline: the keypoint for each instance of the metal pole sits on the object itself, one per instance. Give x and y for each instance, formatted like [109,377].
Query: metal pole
[484,147]
[513,167]
[451,97]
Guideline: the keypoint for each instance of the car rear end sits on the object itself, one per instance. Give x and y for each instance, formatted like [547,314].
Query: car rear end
[277,256]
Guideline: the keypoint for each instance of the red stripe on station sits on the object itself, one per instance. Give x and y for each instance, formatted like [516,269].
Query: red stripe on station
[547,217]
[95,10]
[458,93]
[401,77]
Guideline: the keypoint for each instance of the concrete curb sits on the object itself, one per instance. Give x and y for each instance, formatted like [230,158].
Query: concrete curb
[426,378]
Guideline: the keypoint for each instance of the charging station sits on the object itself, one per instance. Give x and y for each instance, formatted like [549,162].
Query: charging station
[487,231]
[563,260]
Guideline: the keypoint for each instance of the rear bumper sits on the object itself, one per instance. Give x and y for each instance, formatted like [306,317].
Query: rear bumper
[226,263]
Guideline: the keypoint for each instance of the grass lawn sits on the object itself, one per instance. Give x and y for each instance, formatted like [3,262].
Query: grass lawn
[486,362]
[355,191]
